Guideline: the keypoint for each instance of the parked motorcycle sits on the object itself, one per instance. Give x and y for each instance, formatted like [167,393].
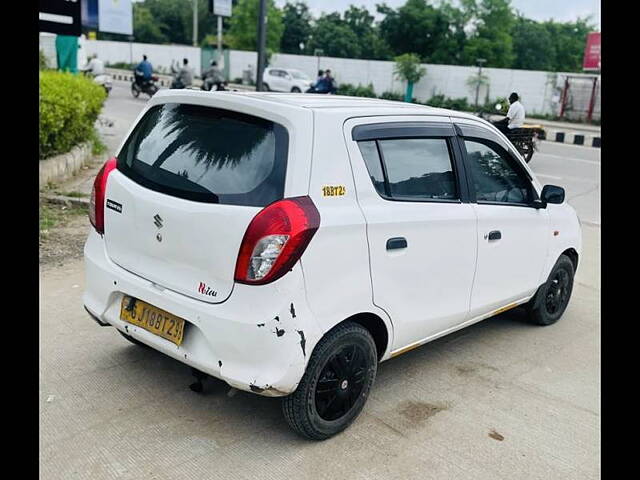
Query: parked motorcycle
[525,139]
[140,85]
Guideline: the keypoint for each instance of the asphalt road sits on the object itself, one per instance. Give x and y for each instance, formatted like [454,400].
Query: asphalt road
[499,400]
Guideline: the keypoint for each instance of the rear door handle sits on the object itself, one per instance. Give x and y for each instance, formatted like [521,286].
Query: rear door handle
[493,235]
[396,242]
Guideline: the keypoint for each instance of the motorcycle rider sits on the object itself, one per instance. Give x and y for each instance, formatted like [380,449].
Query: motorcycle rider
[184,75]
[515,115]
[146,69]
[95,66]
[213,76]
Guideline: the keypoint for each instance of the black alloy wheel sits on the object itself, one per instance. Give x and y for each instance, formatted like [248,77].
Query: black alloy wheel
[552,298]
[557,292]
[335,385]
[340,383]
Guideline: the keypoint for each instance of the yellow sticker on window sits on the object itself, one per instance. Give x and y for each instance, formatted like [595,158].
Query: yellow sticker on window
[334,191]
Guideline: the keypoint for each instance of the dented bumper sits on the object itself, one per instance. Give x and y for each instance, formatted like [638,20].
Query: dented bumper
[258,340]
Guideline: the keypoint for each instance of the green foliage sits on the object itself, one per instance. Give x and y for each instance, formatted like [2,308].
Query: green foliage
[243,31]
[440,101]
[387,95]
[296,20]
[359,91]
[69,107]
[146,28]
[42,60]
[408,68]
[171,21]
[436,34]
[122,65]
[491,39]
[334,36]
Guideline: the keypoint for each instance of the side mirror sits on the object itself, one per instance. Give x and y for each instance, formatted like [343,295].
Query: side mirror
[552,194]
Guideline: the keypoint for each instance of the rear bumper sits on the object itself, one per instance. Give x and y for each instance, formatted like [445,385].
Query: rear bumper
[259,340]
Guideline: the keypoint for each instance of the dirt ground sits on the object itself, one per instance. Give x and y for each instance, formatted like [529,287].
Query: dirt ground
[63,231]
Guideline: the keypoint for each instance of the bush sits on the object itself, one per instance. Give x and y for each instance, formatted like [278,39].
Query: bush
[399,97]
[359,91]
[69,107]
[440,101]
[121,65]
[42,60]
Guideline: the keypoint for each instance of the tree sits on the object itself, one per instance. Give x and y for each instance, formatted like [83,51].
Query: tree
[332,34]
[532,45]
[243,30]
[408,68]
[569,40]
[491,40]
[146,28]
[421,28]
[296,20]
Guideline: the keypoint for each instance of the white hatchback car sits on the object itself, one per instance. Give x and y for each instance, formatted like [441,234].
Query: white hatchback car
[286,244]
[285,80]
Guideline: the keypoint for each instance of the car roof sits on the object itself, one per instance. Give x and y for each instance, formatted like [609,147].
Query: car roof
[339,104]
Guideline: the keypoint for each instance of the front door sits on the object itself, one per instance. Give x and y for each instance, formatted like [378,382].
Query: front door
[513,235]
[421,230]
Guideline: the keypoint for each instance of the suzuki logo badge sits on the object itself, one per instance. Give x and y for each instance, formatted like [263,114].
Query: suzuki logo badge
[157,219]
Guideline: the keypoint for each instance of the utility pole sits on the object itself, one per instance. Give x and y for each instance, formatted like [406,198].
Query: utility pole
[220,57]
[195,23]
[480,62]
[262,40]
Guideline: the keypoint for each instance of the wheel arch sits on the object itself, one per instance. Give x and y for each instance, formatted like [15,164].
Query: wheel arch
[374,324]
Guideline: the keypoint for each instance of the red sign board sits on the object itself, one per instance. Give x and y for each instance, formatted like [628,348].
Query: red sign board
[592,52]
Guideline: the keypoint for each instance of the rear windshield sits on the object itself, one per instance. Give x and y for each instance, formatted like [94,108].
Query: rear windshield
[207,155]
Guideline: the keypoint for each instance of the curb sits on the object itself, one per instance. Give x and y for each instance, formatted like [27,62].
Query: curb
[67,201]
[574,138]
[62,167]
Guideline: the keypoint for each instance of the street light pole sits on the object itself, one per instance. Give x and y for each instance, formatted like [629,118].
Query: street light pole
[195,23]
[480,61]
[262,40]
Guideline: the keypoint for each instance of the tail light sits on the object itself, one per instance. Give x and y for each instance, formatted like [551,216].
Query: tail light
[275,240]
[96,204]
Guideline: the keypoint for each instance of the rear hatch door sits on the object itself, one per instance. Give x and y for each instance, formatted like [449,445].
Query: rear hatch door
[189,181]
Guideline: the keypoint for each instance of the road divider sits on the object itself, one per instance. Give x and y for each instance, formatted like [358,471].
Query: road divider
[575,138]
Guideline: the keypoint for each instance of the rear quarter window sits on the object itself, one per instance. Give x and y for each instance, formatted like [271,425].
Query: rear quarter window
[207,154]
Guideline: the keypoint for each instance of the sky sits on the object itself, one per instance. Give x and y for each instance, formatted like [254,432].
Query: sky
[560,10]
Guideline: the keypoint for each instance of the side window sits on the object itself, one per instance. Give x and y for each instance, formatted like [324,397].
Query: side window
[411,168]
[369,152]
[494,176]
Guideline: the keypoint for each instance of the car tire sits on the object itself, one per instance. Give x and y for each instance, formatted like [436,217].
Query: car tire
[552,298]
[132,340]
[296,90]
[335,385]
[266,87]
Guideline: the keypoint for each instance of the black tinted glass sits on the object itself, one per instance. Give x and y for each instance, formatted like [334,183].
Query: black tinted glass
[207,154]
[419,168]
[372,159]
[495,179]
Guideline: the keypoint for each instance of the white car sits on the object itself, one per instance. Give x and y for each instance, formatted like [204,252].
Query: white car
[287,244]
[285,80]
